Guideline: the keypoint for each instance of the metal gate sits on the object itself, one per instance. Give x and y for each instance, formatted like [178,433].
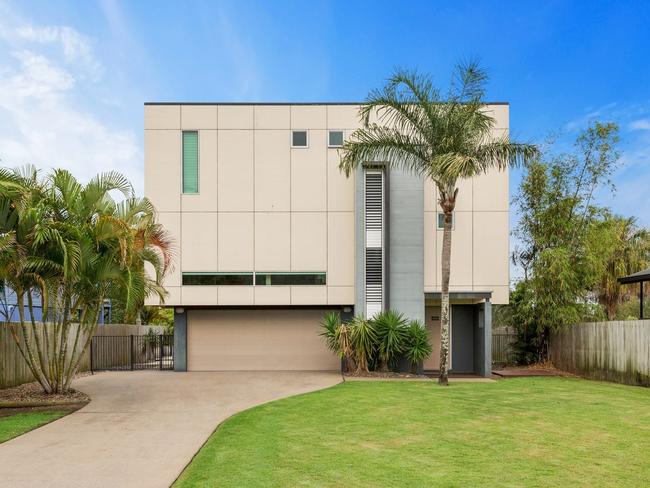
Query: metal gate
[132,352]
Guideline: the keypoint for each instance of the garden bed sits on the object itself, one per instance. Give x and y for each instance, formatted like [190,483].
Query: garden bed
[31,395]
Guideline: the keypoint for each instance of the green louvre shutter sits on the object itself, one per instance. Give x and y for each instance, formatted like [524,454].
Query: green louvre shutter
[190,162]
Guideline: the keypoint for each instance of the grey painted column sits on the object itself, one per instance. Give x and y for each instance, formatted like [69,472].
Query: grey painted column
[180,340]
[405,248]
[483,340]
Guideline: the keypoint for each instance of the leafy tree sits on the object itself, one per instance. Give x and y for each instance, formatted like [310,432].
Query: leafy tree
[73,245]
[445,138]
[567,243]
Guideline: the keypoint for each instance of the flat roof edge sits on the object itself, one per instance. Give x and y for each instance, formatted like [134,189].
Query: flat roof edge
[278,103]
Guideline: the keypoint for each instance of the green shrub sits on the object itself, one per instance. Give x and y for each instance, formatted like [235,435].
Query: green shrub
[363,339]
[337,338]
[418,346]
[390,328]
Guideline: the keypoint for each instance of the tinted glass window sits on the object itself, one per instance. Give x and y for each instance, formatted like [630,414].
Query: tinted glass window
[217,279]
[299,138]
[335,138]
[263,279]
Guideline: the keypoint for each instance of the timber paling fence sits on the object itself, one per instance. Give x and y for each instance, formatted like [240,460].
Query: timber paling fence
[614,351]
[13,368]
[503,353]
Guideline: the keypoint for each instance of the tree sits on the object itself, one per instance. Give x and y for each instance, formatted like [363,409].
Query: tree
[72,245]
[444,138]
[564,238]
[625,249]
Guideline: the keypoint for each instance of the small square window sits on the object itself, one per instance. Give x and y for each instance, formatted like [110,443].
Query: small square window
[335,138]
[441,220]
[299,138]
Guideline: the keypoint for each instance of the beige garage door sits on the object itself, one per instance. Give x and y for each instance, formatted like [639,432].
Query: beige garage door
[257,340]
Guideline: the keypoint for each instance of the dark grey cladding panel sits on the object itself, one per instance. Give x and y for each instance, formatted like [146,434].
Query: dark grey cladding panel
[180,340]
[406,244]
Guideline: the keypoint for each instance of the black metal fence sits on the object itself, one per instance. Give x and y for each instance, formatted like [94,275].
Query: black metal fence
[132,352]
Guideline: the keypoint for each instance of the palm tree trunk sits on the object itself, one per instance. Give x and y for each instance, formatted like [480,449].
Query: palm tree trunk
[445,307]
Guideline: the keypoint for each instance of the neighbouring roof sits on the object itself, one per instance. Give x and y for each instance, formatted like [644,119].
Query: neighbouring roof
[636,277]
[279,103]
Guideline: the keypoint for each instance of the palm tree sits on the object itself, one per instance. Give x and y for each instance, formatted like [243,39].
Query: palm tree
[628,251]
[445,139]
[73,245]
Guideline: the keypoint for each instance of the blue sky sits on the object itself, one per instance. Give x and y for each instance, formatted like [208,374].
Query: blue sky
[74,75]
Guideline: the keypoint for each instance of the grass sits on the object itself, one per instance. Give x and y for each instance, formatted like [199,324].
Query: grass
[14,425]
[517,432]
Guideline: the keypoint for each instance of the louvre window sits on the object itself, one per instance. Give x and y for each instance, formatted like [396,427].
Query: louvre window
[374,227]
[299,138]
[335,138]
[296,279]
[226,279]
[190,162]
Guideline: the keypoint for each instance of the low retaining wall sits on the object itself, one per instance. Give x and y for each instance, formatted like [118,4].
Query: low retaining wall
[614,351]
[13,368]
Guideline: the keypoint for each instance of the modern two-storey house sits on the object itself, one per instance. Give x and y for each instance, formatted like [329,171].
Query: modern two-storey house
[270,236]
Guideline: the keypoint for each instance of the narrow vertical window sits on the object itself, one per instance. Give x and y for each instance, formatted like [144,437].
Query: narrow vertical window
[190,162]
[374,224]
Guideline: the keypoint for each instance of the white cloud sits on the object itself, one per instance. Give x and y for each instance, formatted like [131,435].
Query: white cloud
[640,124]
[46,105]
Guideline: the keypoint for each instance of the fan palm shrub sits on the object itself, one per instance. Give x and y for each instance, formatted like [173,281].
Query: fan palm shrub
[418,345]
[390,329]
[445,138]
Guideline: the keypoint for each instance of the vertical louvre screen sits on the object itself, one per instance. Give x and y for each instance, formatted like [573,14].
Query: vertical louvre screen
[190,162]
[374,226]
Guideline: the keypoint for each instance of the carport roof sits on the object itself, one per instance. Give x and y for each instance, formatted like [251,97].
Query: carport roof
[636,277]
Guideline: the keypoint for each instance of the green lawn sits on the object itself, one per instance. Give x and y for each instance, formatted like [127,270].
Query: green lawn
[14,425]
[517,432]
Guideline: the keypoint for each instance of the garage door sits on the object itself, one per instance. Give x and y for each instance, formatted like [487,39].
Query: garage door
[262,340]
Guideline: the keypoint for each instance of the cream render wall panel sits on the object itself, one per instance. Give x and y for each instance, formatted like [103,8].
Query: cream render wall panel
[500,295]
[235,241]
[343,117]
[162,169]
[272,295]
[340,249]
[171,221]
[195,117]
[340,295]
[340,190]
[272,117]
[308,241]
[172,299]
[200,295]
[461,252]
[162,117]
[501,114]
[272,241]
[235,174]
[199,241]
[235,116]
[430,250]
[236,295]
[308,117]
[491,249]
[309,175]
[308,295]
[491,191]
[206,199]
[272,170]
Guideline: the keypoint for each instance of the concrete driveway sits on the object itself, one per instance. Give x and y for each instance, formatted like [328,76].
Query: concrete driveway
[141,428]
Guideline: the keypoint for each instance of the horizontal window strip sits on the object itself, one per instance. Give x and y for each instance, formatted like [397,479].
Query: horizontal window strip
[296,279]
[259,279]
[225,279]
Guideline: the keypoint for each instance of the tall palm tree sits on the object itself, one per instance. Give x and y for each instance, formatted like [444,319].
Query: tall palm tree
[443,138]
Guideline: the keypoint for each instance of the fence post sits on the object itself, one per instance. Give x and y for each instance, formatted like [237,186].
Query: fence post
[91,355]
[161,349]
[131,352]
